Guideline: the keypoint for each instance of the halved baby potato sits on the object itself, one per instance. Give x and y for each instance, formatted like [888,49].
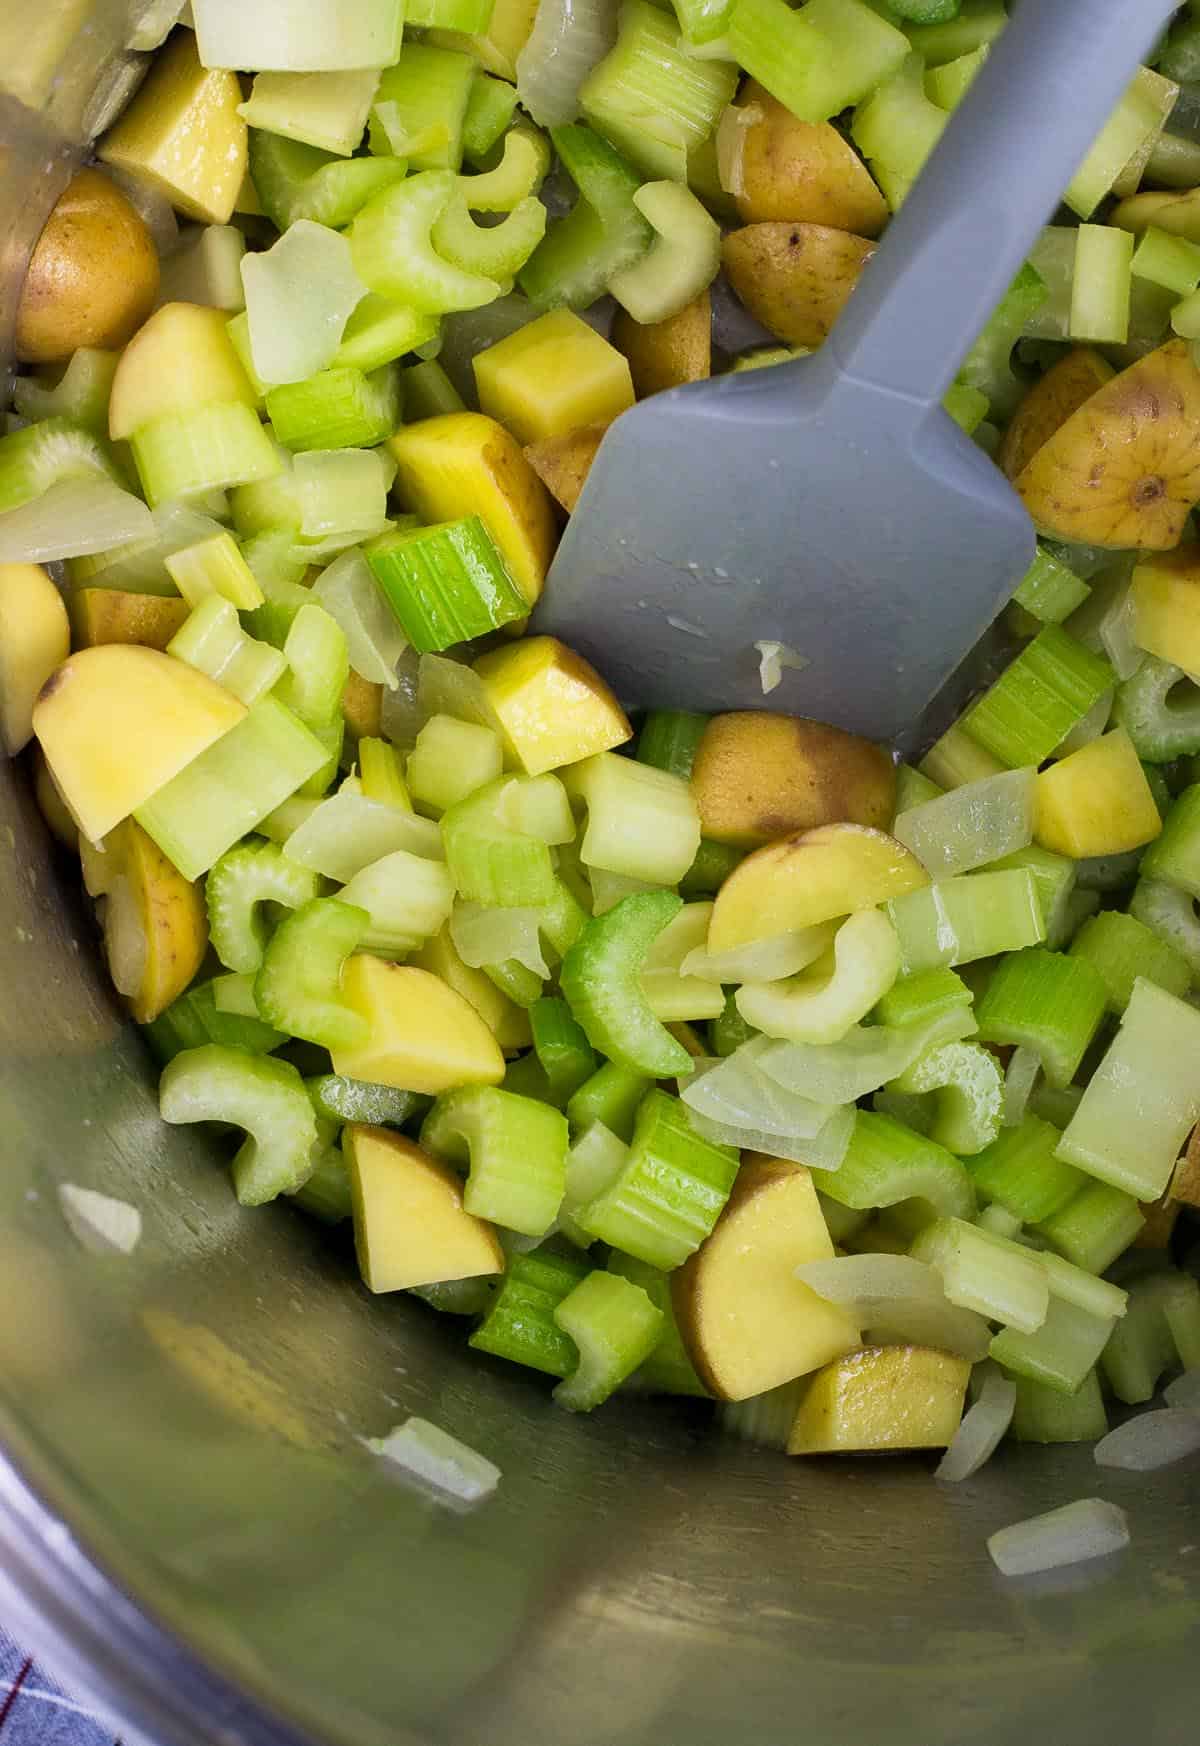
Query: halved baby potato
[795,278]
[35,638]
[112,615]
[410,1225]
[155,920]
[803,171]
[1049,404]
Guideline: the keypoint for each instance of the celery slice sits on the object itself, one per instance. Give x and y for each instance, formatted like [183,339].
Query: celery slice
[296,181]
[887,1163]
[615,1326]
[968,1094]
[241,881]
[682,261]
[819,60]
[194,1019]
[1160,1328]
[79,395]
[207,449]
[393,251]
[1021,1171]
[338,1099]
[1062,1352]
[668,1369]
[822,1004]
[1046,1415]
[407,897]
[1096,1224]
[1047,1002]
[336,409]
[491,107]
[516,1150]
[520,1324]
[262,1095]
[599,979]
[603,233]
[491,861]
[561,1047]
[642,822]
[1159,708]
[1120,949]
[1171,914]
[298,982]
[1050,591]
[445,584]
[974,915]
[212,640]
[611,1096]
[1036,702]
[421,105]
[497,251]
[986,1273]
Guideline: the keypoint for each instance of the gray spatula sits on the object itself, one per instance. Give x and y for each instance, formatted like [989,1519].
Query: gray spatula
[830,503]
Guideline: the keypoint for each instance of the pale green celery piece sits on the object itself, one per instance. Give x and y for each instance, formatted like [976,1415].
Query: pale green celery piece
[244,879]
[212,640]
[394,255]
[615,1326]
[642,822]
[1131,130]
[1171,914]
[338,408]
[347,832]
[515,1149]
[1050,590]
[423,99]
[1041,695]
[1046,1415]
[957,758]
[1100,287]
[973,24]
[681,262]
[969,1092]
[887,1164]
[913,789]
[215,565]
[949,83]
[208,449]
[594,1162]
[264,1096]
[967,406]
[1055,877]
[1170,261]
[1047,1002]
[989,1274]
[1161,1328]
[1095,1226]
[988,365]
[764,1419]
[520,173]
[674,996]
[978,823]
[819,60]
[79,393]
[603,233]
[1143,1099]
[1061,1353]
[1159,708]
[610,1098]
[429,392]
[299,296]
[491,107]
[340,491]
[318,666]
[327,110]
[407,897]
[41,455]
[1020,1171]
[822,1004]
[326,1194]
[668,1369]
[897,128]
[974,915]
[1120,949]
[381,329]
[450,760]
[497,251]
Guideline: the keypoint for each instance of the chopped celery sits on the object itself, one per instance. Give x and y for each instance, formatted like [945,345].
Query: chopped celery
[957,758]
[562,1049]
[1039,698]
[818,60]
[516,1150]
[520,1324]
[445,584]
[1161,1328]
[423,99]
[1100,288]
[491,861]
[1050,591]
[967,1086]
[214,565]
[1128,135]
[1021,1171]
[611,1096]
[241,881]
[642,822]
[1096,1224]
[1046,1415]
[1047,1002]
[338,1099]
[594,1162]
[394,255]
[297,987]
[381,329]
[602,234]
[212,640]
[712,866]
[986,1273]
[668,1369]
[1055,878]
[336,409]
[896,129]
[295,181]
[615,1326]
[318,666]
[326,1194]
[887,1163]
[195,1019]
[519,174]
[1062,1353]
[1120,949]
[450,760]
[1171,914]
[429,392]
[491,107]
[407,897]
[682,261]
[599,979]
[79,394]
[1159,708]
[974,915]
[184,455]
[822,1003]
[670,739]
[988,365]
[255,1092]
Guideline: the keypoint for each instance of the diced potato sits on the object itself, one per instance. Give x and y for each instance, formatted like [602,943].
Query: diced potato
[155,920]
[51,804]
[795,278]
[93,276]
[183,134]
[1049,404]
[553,707]
[110,615]
[117,722]
[410,1225]
[508,1022]
[803,172]
[1097,801]
[464,463]
[758,776]
[422,1035]
[747,1322]
[562,463]
[884,1397]
[34,639]
[497,47]
[552,376]
[362,707]
[665,354]
[1166,606]
[814,877]
[180,360]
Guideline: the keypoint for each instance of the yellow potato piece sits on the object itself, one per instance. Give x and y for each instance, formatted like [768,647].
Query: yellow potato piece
[1049,403]
[508,1022]
[1096,801]
[1124,469]
[110,615]
[422,1035]
[803,171]
[563,463]
[665,354]
[552,376]
[884,1397]
[748,1323]
[180,360]
[410,1225]
[155,920]
[1166,606]
[758,776]
[93,276]
[795,278]
[552,705]
[814,877]
[117,722]
[182,133]
[464,463]
[34,639]
[51,804]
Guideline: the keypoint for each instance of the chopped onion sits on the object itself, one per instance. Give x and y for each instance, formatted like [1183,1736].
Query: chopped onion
[299,295]
[825,1150]
[401,717]
[156,20]
[567,40]
[1087,1528]
[899,1301]
[867,1057]
[981,1431]
[484,935]
[767,960]
[1151,1440]
[374,639]
[449,687]
[1184,1391]
[102,1225]
[153,207]
[738,1093]
[438,1458]
[772,659]
[731,149]
[1020,1077]
[73,519]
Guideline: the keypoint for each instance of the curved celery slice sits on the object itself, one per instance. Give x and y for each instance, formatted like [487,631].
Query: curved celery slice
[394,254]
[682,261]
[520,1324]
[602,234]
[561,1048]
[599,979]
[887,1163]
[326,1194]
[839,990]
[610,1097]
[495,251]
[642,822]
[521,171]
[294,180]
[1159,708]
[41,455]
[615,1326]
[1171,914]
[244,878]
[668,1369]
[255,1092]
[516,1151]
[970,1095]
[297,986]
[80,393]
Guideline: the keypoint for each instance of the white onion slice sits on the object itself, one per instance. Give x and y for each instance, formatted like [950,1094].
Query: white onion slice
[1151,1440]
[299,295]
[767,960]
[823,1151]
[567,40]
[738,1093]
[484,935]
[1087,1528]
[898,1301]
[102,1225]
[73,519]
[1184,1391]
[731,148]
[438,1458]
[981,1431]
[772,659]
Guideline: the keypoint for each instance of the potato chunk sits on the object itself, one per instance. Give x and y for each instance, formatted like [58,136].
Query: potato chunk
[758,776]
[795,278]
[803,172]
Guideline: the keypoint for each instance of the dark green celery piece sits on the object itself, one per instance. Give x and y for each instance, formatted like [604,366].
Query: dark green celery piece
[729,1030]
[612,1096]
[708,872]
[520,1324]
[670,738]
[326,1194]
[295,181]
[988,364]
[561,1047]
[339,1099]
[1020,1171]
[340,408]
[602,234]
[445,584]
[193,1020]
[599,978]
[491,106]
[429,392]
[1047,1002]
[668,1370]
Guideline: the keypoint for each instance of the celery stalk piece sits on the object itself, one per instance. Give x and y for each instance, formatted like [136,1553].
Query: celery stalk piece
[429,392]
[45,454]
[974,915]
[79,395]
[713,864]
[668,1369]
[326,1194]
[594,1162]
[981,1271]
[318,666]
[1161,1328]
[973,24]
[325,110]
[214,565]
[1046,1415]
[973,825]
[208,449]
[887,1163]
[1047,1002]
[682,261]
[1143,1099]
[957,758]
[615,1326]
[1131,129]
[670,739]
[421,106]
[348,832]
[650,98]
[520,1324]
[522,169]
[1175,855]
[1062,1353]
[407,897]
[262,1095]
[561,1047]
[381,329]
[928,995]
[342,498]
[599,979]
[1050,591]
[1170,261]
[1120,949]
[445,584]
[1096,1225]
[212,640]
[988,365]
[602,234]
[489,860]
[329,37]
[703,22]
[1055,880]
[669,1193]
[642,822]
[497,251]
[299,295]
[450,760]
[242,880]
[228,790]
[374,641]
[1101,286]
[896,129]
[822,1004]
[818,60]
[338,1099]
[968,1090]
[394,254]
[948,84]
[297,181]
[1159,708]
[1039,698]
[611,1096]
[515,1149]
[491,109]
[1021,1171]
[297,986]
[336,409]
[194,1019]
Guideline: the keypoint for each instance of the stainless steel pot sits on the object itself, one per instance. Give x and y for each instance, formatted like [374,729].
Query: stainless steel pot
[190,1527]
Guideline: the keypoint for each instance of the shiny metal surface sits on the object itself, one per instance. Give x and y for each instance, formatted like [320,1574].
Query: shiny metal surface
[189,1524]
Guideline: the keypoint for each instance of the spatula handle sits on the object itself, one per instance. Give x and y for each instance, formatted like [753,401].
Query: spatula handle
[1013,145]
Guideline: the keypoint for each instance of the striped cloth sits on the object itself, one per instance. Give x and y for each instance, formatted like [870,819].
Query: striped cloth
[34,1711]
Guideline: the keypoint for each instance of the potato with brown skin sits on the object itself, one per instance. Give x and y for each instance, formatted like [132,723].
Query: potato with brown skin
[794,278]
[1049,404]
[562,463]
[362,707]
[93,276]
[1178,213]
[1124,470]
[803,172]
[665,354]
[758,776]
[110,615]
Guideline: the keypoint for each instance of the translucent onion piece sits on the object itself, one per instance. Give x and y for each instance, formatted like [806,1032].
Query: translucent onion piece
[484,935]
[438,1458]
[898,1301]
[1020,1077]
[449,687]
[299,295]
[73,519]
[102,1225]
[1151,1440]
[568,38]
[1184,1391]
[867,1057]
[738,1093]
[401,717]
[348,592]
[772,659]
[1087,1528]
[981,1431]
[763,960]
[731,151]
[826,1150]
